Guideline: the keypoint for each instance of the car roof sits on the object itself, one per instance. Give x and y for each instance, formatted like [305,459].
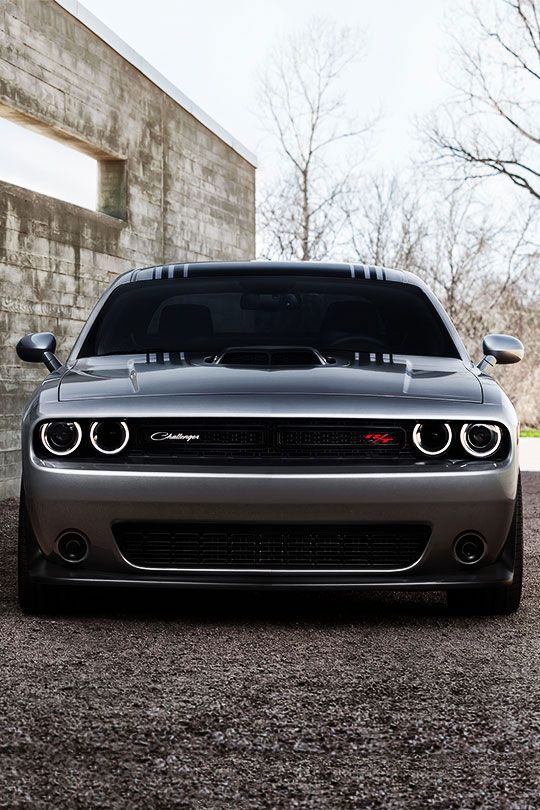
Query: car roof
[249,268]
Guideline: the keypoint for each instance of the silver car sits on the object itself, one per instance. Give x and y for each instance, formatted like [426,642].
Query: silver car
[271,425]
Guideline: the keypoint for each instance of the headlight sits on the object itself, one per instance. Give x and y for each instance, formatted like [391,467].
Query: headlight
[432,438]
[61,438]
[109,437]
[480,440]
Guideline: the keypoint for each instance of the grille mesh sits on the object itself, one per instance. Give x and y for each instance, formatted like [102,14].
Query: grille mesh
[229,440]
[382,547]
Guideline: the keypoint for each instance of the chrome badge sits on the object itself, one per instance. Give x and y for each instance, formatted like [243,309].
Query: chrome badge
[162,436]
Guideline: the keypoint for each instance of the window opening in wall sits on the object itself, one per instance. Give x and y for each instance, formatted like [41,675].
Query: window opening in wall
[39,163]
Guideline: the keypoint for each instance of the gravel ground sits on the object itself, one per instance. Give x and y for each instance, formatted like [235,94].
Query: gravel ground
[308,701]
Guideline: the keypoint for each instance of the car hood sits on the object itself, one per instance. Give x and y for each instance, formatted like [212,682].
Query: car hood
[408,377]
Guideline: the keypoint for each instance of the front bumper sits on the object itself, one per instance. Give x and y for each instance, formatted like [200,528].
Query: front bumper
[63,496]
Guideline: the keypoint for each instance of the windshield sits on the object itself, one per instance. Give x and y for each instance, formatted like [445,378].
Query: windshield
[213,314]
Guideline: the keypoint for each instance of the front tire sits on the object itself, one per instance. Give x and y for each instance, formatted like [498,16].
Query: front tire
[497,599]
[33,597]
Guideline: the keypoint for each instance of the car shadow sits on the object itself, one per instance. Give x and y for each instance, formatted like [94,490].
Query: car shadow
[253,607]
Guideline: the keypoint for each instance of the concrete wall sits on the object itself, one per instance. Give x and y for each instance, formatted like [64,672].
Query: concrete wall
[171,187]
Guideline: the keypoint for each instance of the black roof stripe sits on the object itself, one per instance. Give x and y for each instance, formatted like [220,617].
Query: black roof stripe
[245,268]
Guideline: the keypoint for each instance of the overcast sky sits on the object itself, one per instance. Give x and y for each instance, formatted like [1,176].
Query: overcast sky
[213,52]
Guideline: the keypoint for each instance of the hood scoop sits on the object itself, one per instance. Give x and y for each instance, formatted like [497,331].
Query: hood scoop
[262,356]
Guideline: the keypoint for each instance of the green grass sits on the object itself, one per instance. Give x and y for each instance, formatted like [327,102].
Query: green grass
[530,433]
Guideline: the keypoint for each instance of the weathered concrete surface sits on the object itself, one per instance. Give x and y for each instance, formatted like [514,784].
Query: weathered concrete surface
[183,192]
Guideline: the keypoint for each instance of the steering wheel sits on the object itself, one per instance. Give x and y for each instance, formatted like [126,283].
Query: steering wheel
[377,344]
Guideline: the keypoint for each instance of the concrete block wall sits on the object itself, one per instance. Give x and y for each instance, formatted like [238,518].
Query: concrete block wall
[172,188]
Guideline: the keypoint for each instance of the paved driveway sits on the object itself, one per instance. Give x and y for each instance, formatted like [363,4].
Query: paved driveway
[372,701]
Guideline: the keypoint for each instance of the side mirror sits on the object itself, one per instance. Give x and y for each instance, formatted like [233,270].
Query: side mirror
[502,349]
[39,348]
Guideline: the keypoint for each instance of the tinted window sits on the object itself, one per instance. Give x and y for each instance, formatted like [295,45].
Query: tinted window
[216,313]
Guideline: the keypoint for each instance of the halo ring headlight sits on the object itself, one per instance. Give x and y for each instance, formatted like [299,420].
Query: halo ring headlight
[46,433]
[436,451]
[472,444]
[123,438]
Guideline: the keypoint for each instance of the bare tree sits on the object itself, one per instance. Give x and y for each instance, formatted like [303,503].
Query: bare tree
[472,261]
[482,270]
[480,264]
[301,212]
[492,126]
[385,225]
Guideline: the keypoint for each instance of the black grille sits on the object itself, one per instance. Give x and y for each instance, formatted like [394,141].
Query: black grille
[270,440]
[383,547]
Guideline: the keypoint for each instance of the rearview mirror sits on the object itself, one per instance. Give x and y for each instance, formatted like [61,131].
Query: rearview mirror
[270,302]
[39,348]
[502,349]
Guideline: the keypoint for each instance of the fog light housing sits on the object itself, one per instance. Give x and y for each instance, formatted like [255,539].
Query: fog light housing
[109,437]
[61,438]
[432,438]
[469,548]
[72,547]
[481,440]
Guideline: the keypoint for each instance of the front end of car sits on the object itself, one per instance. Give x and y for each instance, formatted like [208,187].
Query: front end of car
[316,458]
[227,499]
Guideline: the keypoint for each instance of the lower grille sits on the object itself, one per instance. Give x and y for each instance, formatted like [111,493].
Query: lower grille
[382,547]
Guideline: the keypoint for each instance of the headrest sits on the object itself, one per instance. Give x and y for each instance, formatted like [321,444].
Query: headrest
[358,317]
[180,323]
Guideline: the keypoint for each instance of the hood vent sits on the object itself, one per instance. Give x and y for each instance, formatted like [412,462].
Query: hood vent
[271,357]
